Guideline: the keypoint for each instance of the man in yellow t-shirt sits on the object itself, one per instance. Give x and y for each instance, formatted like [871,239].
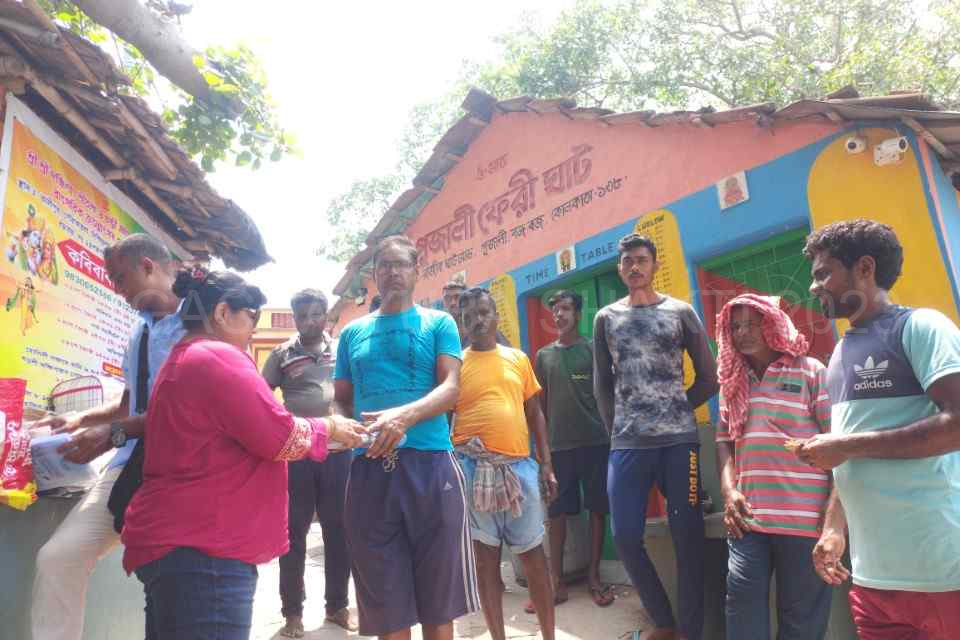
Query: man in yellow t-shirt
[495,414]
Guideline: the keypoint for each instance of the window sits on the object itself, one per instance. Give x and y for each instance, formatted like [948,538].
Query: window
[281,321]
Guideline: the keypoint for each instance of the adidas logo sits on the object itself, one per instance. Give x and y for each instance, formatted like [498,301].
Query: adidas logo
[870,374]
[447,487]
[869,369]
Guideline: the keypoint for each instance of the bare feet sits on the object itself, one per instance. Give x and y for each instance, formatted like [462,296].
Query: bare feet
[602,594]
[560,593]
[560,596]
[343,619]
[293,628]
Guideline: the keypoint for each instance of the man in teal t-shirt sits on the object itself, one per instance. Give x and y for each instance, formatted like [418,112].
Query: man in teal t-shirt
[398,370]
[894,386]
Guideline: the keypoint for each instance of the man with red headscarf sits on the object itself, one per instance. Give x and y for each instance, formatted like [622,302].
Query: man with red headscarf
[771,394]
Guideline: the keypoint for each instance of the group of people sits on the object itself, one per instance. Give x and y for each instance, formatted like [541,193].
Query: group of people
[461,446]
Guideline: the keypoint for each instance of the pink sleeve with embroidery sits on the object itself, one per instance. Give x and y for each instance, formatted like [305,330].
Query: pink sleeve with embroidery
[242,402]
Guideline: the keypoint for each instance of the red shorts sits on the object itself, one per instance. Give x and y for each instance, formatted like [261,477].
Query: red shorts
[905,615]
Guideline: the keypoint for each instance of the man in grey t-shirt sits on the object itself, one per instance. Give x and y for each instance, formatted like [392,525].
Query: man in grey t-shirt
[303,369]
[639,343]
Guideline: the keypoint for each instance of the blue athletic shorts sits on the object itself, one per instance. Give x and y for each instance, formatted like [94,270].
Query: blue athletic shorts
[409,540]
[520,534]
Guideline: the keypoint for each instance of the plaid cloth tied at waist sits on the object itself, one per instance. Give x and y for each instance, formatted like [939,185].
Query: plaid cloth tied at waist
[496,486]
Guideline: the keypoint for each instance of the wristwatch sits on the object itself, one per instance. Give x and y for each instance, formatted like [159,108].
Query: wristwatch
[118,436]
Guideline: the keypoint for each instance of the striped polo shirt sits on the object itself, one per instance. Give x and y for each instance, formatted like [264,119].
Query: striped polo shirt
[787,496]
[305,377]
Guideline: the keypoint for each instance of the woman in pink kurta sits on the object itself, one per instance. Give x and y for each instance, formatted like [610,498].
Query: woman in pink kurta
[213,503]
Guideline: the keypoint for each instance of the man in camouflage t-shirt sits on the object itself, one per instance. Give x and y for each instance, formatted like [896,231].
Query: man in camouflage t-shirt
[639,343]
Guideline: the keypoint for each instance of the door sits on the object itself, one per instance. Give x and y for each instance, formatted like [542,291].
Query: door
[774,267]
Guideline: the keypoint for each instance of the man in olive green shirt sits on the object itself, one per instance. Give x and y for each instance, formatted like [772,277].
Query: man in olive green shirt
[578,440]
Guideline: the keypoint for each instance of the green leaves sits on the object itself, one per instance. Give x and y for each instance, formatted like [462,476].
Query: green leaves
[353,214]
[685,54]
[69,16]
[213,79]
[239,124]
[214,131]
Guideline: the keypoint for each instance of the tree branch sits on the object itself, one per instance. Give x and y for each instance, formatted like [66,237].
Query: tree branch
[740,35]
[736,15]
[160,42]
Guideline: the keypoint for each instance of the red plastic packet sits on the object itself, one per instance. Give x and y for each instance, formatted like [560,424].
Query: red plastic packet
[17,488]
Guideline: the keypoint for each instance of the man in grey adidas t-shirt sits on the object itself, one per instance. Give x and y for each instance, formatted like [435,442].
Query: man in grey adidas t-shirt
[639,343]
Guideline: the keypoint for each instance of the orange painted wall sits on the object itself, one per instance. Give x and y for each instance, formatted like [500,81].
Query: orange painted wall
[656,166]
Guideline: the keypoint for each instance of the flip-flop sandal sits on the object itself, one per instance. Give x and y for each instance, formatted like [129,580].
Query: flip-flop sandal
[603,596]
[557,600]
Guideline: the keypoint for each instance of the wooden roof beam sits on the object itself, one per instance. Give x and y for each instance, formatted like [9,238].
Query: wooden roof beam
[50,38]
[163,160]
[834,116]
[930,139]
[196,246]
[156,151]
[184,191]
[13,66]
[51,95]
[202,209]
[83,92]
[163,205]
[130,174]
[115,175]
[100,123]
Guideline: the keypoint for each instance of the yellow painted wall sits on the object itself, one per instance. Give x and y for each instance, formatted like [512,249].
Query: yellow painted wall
[267,337]
[843,186]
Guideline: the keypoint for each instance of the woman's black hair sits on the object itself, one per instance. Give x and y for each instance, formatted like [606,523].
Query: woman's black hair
[203,290]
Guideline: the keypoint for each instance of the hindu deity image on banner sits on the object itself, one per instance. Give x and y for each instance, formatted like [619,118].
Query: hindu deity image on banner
[59,315]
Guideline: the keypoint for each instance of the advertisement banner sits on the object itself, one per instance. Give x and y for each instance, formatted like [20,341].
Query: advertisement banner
[59,315]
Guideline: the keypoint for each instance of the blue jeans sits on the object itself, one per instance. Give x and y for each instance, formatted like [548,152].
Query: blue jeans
[676,470]
[192,596]
[803,599]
